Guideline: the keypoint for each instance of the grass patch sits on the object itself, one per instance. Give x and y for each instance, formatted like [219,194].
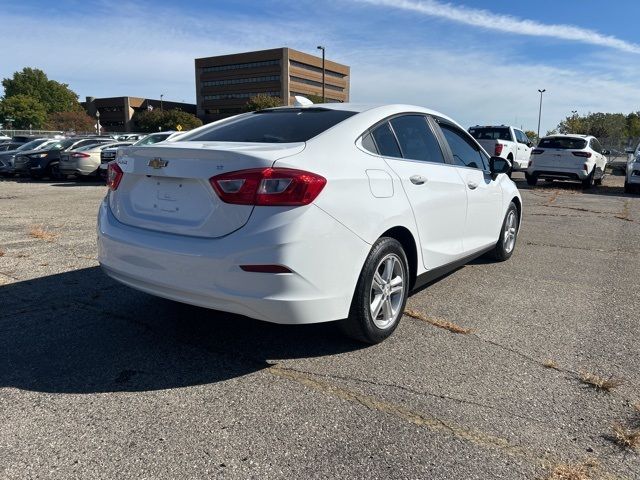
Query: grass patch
[626,437]
[550,364]
[2,252]
[436,322]
[41,233]
[573,472]
[599,383]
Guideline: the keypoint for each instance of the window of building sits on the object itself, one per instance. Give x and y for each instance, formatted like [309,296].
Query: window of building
[286,125]
[464,152]
[236,81]
[327,99]
[234,66]
[316,84]
[386,141]
[313,68]
[231,96]
[417,141]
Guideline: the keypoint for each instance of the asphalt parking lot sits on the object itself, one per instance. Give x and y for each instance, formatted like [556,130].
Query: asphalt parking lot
[100,381]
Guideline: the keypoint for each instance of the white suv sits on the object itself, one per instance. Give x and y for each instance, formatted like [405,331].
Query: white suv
[632,174]
[311,214]
[568,157]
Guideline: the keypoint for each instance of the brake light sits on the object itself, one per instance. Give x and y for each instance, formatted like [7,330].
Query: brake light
[499,148]
[114,175]
[80,155]
[537,151]
[268,187]
[582,154]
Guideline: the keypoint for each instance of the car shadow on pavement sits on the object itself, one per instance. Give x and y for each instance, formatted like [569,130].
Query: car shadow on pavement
[80,332]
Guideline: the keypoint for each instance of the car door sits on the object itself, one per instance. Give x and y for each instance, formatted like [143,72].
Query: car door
[600,159]
[434,189]
[524,150]
[484,193]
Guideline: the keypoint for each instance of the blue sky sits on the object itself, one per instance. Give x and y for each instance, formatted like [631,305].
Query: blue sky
[478,61]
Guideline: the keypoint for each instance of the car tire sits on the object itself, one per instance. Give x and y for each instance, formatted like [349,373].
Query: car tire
[588,182]
[532,180]
[510,172]
[380,295]
[506,244]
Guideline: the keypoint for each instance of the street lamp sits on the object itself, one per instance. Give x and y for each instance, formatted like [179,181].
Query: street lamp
[320,47]
[98,121]
[540,110]
[161,109]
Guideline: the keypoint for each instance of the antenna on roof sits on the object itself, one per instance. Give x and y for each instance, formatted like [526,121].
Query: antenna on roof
[301,101]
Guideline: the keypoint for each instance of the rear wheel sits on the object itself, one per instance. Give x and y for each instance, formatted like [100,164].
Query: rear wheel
[532,180]
[381,293]
[589,181]
[508,235]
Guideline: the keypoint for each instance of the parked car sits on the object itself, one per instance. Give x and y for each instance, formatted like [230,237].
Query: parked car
[568,157]
[7,157]
[311,214]
[6,146]
[506,142]
[85,161]
[4,138]
[109,154]
[45,162]
[632,176]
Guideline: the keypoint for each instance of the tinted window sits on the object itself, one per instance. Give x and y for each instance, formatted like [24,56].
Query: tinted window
[464,152]
[386,141]
[490,133]
[416,139]
[563,143]
[368,143]
[595,145]
[273,126]
[521,137]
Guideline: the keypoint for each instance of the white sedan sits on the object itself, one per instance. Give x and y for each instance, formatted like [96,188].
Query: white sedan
[307,214]
[632,175]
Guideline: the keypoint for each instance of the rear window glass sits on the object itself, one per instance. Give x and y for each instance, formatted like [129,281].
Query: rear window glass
[490,133]
[563,143]
[272,126]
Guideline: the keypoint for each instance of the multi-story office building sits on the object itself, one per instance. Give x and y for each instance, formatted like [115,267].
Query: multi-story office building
[225,83]
[116,113]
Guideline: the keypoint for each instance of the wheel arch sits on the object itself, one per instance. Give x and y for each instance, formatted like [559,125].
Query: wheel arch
[518,204]
[408,242]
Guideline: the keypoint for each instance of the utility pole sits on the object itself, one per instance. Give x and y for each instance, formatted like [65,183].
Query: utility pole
[161,109]
[540,111]
[323,73]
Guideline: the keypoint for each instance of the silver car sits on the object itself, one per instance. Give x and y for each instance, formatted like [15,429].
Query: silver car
[85,161]
[632,175]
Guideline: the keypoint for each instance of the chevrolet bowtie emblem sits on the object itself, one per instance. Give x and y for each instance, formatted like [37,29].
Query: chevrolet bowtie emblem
[157,163]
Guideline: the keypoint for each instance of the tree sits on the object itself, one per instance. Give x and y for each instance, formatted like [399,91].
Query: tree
[160,120]
[533,136]
[70,121]
[34,83]
[260,102]
[25,111]
[610,128]
[315,98]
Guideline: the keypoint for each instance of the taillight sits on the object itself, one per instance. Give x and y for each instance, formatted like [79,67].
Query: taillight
[114,175]
[80,155]
[499,148]
[537,151]
[268,186]
[582,154]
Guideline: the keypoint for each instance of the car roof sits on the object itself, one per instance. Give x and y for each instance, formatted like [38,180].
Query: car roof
[568,135]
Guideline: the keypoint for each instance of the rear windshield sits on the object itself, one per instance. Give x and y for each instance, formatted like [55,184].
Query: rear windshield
[563,143]
[273,126]
[158,137]
[490,133]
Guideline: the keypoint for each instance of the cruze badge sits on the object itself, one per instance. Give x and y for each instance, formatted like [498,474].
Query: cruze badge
[157,163]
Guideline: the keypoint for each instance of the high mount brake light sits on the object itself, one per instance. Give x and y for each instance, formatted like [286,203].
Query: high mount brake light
[114,175]
[268,187]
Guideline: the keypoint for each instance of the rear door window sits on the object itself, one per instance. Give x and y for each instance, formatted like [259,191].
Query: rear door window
[386,141]
[417,141]
[465,152]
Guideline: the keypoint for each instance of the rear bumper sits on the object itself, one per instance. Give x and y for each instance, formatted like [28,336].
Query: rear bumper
[324,256]
[78,167]
[560,174]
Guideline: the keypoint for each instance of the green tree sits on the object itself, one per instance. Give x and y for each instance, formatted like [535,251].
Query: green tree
[532,136]
[70,121]
[315,98]
[34,83]
[24,110]
[161,120]
[260,102]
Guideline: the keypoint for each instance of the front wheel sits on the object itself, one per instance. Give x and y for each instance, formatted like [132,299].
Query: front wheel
[508,235]
[381,293]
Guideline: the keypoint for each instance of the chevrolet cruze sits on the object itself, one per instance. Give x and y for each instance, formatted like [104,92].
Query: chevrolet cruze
[307,214]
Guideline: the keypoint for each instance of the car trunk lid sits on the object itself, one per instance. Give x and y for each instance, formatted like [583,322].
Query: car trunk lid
[167,189]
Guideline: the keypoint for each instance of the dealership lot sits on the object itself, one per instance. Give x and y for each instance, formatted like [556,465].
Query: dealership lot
[97,380]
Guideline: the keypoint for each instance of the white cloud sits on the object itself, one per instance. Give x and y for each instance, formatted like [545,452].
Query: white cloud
[507,23]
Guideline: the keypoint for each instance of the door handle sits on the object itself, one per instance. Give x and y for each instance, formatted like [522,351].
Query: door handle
[418,179]
[472,185]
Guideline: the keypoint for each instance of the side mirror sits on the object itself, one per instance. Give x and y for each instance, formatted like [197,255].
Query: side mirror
[499,165]
[529,143]
[606,152]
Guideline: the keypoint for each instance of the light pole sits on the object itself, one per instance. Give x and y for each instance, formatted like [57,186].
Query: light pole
[320,47]
[540,111]
[98,121]
[161,109]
